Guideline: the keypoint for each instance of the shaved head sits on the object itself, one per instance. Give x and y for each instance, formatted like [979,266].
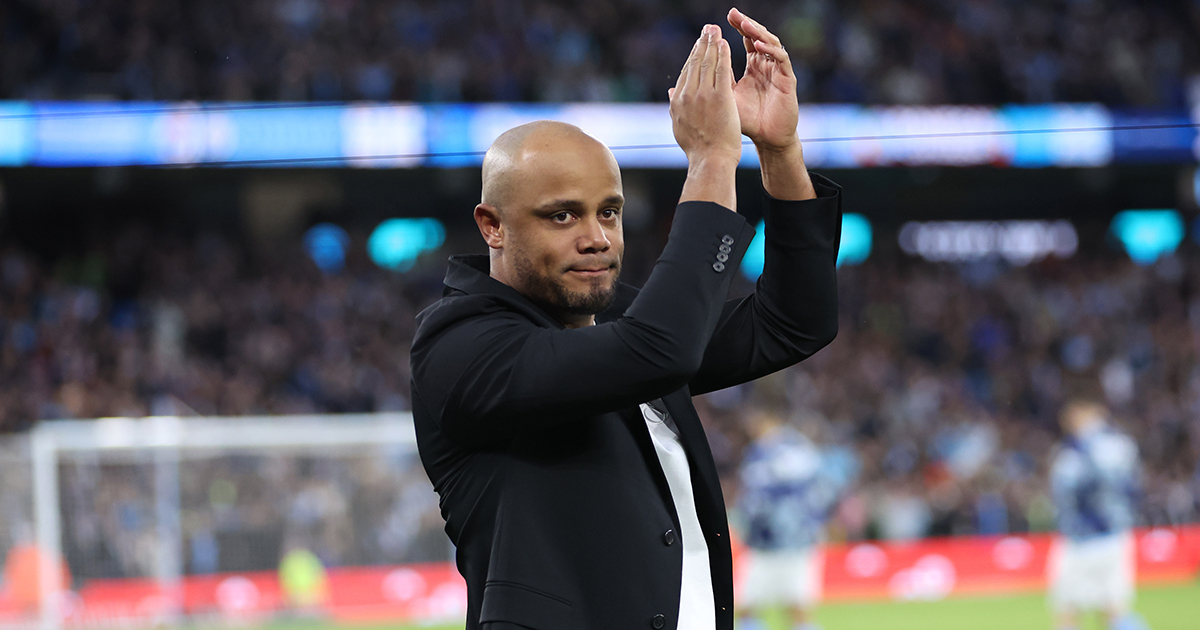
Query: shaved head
[550,213]
[506,162]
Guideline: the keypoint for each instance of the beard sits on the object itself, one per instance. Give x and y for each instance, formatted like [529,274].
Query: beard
[551,294]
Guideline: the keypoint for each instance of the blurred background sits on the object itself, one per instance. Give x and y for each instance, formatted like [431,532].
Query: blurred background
[218,220]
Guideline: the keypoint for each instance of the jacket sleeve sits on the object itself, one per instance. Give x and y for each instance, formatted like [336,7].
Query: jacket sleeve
[497,373]
[792,312]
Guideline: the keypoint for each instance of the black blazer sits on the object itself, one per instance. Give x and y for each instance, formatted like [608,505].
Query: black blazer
[531,433]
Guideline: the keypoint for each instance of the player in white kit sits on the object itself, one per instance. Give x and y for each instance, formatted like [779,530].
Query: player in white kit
[1094,481]
[788,487]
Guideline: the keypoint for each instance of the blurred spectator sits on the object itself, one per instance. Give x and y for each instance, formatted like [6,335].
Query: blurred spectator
[943,382]
[1117,52]
[163,329]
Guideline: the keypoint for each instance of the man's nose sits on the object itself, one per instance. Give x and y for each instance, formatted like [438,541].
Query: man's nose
[594,237]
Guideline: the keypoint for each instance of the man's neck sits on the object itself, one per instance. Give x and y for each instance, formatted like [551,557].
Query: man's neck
[577,321]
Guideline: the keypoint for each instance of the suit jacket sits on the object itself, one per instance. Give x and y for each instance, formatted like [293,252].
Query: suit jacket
[531,433]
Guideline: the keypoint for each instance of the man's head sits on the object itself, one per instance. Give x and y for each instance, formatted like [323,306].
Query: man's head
[1080,415]
[551,214]
[761,422]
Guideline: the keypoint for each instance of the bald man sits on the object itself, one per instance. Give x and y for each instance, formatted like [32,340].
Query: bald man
[553,403]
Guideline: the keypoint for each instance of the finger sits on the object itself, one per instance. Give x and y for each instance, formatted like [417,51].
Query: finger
[778,54]
[670,93]
[758,31]
[708,68]
[681,82]
[735,18]
[724,64]
[695,64]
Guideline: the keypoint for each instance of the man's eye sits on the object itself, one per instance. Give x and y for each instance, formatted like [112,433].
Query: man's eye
[610,213]
[561,217]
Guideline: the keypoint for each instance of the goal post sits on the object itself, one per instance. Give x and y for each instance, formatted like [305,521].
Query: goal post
[147,500]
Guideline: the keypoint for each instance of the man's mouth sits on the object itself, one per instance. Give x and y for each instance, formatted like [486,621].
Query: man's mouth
[591,271]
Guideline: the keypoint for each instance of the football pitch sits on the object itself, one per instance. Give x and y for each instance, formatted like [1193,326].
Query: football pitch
[1175,607]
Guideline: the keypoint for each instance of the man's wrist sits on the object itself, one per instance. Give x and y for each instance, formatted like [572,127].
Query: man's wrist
[711,178]
[784,174]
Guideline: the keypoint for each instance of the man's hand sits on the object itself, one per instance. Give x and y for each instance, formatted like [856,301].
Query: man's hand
[704,115]
[768,110]
[766,94]
[705,120]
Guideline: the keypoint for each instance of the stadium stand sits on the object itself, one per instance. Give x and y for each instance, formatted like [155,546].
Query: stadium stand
[944,385]
[1116,52]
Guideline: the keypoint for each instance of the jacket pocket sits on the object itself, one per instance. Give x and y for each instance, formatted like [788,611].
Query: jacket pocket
[517,603]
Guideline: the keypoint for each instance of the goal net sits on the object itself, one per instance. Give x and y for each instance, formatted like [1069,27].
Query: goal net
[167,520]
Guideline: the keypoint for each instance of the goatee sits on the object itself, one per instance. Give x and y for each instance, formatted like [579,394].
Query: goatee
[552,295]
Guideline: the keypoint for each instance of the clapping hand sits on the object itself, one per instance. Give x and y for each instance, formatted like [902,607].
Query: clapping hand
[704,114]
[766,93]
[704,118]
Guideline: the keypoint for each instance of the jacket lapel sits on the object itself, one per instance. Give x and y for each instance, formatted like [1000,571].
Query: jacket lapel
[635,422]
[705,483]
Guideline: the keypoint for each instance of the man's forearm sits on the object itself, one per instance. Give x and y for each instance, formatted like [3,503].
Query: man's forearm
[711,179]
[784,175]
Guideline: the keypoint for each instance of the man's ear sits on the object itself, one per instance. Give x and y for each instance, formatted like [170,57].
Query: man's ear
[488,219]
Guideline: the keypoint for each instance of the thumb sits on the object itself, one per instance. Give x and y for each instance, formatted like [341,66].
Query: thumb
[670,93]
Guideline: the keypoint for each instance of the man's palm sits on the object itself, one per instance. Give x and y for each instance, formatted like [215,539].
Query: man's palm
[767,104]
[766,94]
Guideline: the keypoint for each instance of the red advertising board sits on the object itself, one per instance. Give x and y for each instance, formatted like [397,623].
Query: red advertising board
[925,569]
[936,568]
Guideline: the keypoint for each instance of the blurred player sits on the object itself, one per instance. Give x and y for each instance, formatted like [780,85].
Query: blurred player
[1094,480]
[787,491]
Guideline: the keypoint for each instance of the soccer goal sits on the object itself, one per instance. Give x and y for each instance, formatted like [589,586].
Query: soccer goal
[166,520]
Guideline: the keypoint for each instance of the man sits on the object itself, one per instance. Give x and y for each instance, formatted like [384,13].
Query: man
[552,404]
[788,487]
[1093,480]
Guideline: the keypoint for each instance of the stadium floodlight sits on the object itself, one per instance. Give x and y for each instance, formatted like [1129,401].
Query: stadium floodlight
[856,239]
[853,248]
[396,243]
[326,244]
[1148,234]
[1017,242]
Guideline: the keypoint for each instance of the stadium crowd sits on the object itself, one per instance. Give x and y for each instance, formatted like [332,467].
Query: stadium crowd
[1118,52]
[943,384]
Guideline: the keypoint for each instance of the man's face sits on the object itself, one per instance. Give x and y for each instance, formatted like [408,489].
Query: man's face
[563,238]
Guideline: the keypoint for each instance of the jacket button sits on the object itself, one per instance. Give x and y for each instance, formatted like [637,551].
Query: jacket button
[727,239]
[718,267]
[669,537]
[658,621]
[722,256]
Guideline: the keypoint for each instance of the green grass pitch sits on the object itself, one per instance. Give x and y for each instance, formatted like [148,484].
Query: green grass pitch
[1175,607]
[1164,608]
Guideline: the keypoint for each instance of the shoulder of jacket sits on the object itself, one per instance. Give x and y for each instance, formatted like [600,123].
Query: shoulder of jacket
[460,308]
